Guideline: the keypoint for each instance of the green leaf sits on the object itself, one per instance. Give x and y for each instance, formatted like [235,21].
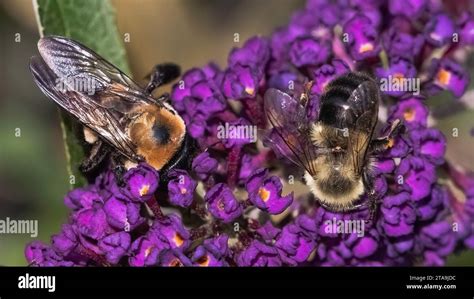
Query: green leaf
[93,24]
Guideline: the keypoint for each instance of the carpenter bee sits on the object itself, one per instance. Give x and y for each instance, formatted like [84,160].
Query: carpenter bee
[121,120]
[336,151]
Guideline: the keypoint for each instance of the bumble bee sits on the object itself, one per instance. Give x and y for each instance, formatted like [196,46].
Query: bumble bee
[121,119]
[335,151]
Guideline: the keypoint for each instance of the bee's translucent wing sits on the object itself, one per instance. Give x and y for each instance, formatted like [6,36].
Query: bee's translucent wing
[290,135]
[87,111]
[364,101]
[365,98]
[86,72]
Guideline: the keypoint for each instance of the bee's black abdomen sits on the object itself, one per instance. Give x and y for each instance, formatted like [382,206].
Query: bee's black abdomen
[335,111]
[338,108]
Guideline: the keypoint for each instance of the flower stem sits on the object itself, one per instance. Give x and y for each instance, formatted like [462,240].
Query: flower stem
[233,166]
[98,259]
[155,208]
[384,59]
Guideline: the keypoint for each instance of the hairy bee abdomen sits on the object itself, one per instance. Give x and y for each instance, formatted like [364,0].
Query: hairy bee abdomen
[335,191]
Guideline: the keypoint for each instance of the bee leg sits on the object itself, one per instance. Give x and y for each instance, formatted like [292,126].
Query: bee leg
[163,98]
[353,208]
[119,169]
[372,203]
[97,154]
[325,206]
[380,144]
[162,74]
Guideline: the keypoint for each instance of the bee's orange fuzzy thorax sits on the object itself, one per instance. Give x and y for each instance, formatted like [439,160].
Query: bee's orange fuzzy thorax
[142,135]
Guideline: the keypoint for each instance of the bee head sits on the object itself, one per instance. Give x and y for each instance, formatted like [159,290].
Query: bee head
[158,134]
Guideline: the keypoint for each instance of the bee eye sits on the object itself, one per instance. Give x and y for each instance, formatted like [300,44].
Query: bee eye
[161,133]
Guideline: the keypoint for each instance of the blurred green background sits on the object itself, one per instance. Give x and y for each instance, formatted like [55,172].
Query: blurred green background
[33,177]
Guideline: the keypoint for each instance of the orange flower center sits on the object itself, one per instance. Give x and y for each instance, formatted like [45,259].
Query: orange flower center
[204,261]
[366,47]
[398,76]
[443,77]
[148,251]
[220,205]
[391,143]
[175,263]
[249,90]
[178,239]
[409,114]
[144,189]
[264,194]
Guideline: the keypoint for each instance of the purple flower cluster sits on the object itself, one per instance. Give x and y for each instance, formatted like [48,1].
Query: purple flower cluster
[233,208]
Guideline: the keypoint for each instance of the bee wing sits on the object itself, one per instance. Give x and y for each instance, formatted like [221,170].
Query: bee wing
[87,111]
[365,98]
[290,135]
[364,102]
[76,65]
